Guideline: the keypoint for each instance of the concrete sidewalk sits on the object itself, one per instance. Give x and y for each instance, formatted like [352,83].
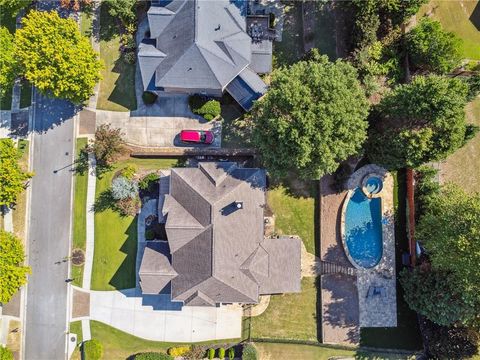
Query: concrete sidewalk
[147,317]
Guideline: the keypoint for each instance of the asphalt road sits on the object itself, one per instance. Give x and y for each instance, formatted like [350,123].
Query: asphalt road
[49,230]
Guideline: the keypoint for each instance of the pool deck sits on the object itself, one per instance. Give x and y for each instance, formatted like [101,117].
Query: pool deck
[378,310]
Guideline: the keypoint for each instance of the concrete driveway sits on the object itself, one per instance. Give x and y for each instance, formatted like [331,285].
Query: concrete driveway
[155,317]
[157,131]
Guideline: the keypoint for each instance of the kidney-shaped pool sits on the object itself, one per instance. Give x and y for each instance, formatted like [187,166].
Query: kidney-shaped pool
[363,229]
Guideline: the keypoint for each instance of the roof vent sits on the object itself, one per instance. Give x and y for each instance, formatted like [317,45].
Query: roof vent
[217,28]
[239,204]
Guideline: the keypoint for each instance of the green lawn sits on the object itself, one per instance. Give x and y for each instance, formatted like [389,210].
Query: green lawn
[120,345]
[19,213]
[79,213]
[289,316]
[117,87]
[293,215]
[290,49]
[460,17]
[116,236]
[407,334]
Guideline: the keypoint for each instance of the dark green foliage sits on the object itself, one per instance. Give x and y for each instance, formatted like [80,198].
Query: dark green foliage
[108,144]
[433,49]
[426,186]
[92,349]
[366,22]
[130,57]
[418,122]
[470,132]
[148,180]
[221,353]
[124,10]
[211,353]
[312,118]
[149,97]
[473,86]
[249,352]
[435,295]
[454,342]
[5,354]
[153,356]
[449,229]
[150,234]
[231,353]
[209,109]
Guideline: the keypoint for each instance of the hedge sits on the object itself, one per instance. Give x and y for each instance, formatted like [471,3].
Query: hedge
[149,97]
[5,354]
[211,353]
[231,353]
[209,109]
[153,356]
[178,350]
[221,353]
[93,349]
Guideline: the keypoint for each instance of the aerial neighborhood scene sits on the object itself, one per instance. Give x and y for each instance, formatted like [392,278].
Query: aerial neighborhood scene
[239,179]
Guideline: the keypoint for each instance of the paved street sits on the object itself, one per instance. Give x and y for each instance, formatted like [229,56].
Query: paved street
[53,145]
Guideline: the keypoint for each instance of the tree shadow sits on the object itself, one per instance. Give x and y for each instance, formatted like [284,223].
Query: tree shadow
[104,201]
[123,93]
[475,17]
[108,24]
[125,276]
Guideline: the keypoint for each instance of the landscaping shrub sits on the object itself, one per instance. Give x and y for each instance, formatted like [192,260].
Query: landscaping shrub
[128,206]
[149,234]
[178,350]
[129,171]
[196,352]
[128,42]
[108,145]
[5,354]
[153,356]
[209,109]
[231,353]
[122,188]
[249,352]
[148,181]
[149,97]
[221,353]
[130,57]
[211,353]
[92,349]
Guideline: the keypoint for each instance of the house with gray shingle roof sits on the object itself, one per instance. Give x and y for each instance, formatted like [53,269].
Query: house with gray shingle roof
[214,221]
[202,47]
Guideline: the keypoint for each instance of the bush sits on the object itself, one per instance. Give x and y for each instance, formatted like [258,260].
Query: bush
[5,354]
[209,109]
[211,353]
[130,57]
[122,188]
[153,356]
[128,206]
[92,349]
[148,181]
[221,353]
[149,97]
[249,352]
[108,145]
[150,234]
[178,350]
[128,42]
[231,353]
[196,352]
[129,171]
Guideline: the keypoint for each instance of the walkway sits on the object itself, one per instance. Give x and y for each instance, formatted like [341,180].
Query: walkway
[148,317]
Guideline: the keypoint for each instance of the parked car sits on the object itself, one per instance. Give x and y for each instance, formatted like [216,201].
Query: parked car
[197,136]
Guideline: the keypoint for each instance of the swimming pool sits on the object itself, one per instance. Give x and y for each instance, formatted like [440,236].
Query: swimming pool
[363,229]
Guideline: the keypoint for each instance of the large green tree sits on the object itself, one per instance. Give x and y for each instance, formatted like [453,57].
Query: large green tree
[55,57]
[450,231]
[433,49]
[12,178]
[8,61]
[419,122]
[312,117]
[125,10]
[13,6]
[12,273]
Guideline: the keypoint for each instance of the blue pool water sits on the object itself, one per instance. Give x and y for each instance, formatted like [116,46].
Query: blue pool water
[374,185]
[363,229]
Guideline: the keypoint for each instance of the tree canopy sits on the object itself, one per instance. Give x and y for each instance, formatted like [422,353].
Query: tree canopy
[433,49]
[14,5]
[12,178]
[108,144]
[12,274]
[450,231]
[312,118]
[55,57]
[124,10]
[8,61]
[419,122]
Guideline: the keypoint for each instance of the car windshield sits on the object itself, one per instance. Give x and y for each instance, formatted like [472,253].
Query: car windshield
[203,136]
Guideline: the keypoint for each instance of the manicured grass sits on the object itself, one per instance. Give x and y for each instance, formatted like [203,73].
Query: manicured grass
[460,17]
[293,215]
[290,49]
[117,87]
[79,213]
[25,94]
[463,166]
[76,328]
[289,316]
[19,213]
[407,334]
[116,236]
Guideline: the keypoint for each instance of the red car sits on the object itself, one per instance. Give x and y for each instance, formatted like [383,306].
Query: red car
[197,136]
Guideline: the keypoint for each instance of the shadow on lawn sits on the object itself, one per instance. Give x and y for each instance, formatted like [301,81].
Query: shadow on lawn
[475,17]
[124,277]
[108,26]
[124,91]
